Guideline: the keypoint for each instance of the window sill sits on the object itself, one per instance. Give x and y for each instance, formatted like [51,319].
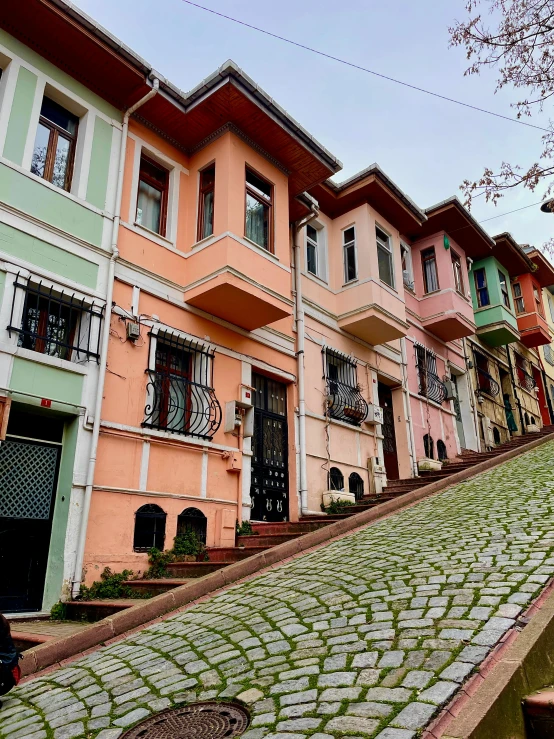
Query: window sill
[315,278]
[265,251]
[350,282]
[390,287]
[46,359]
[149,234]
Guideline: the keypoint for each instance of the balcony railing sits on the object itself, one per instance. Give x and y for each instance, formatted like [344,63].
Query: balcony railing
[176,404]
[345,403]
[486,383]
[431,387]
[526,380]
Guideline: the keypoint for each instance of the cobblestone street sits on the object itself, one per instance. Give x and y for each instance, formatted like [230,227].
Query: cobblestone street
[365,637]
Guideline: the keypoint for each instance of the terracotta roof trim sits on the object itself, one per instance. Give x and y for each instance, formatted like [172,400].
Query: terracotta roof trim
[455,201]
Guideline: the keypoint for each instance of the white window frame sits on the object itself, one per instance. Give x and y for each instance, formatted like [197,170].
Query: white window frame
[320,250]
[347,280]
[386,246]
[407,274]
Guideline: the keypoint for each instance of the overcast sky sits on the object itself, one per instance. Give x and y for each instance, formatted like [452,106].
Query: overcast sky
[427,146]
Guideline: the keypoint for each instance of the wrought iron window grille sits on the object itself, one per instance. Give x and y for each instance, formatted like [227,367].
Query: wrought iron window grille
[430,385]
[526,380]
[486,383]
[344,401]
[55,323]
[181,396]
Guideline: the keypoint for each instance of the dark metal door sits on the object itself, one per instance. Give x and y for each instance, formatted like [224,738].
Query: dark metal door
[389,435]
[269,491]
[28,478]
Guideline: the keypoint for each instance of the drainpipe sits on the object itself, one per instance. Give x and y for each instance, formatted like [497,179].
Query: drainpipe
[516,396]
[80,554]
[300,342]
[406,390]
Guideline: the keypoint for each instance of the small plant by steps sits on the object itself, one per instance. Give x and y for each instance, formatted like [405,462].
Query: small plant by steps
[111,585]
[186,547]
[58,612]
[337,506]
[245,529]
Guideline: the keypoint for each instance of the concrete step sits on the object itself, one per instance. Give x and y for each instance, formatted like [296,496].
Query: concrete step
[290,527]
[233,554]
[267,540]
[194,569]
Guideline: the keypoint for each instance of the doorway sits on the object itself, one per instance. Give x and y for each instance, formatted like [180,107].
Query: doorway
[541,397]
[29,464]
[458,412]
[269,490]
[390,455]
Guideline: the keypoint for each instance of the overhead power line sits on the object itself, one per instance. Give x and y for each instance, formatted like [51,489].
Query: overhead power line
[365,69]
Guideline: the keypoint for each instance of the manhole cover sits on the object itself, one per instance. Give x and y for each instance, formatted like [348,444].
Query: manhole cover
[196,721]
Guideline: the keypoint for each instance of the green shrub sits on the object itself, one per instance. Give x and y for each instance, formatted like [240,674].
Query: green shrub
[337,506]
[110,585]
[58,612]
[245,529]
[187,543]
[158,562]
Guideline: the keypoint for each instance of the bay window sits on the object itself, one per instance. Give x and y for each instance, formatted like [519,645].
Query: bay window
[206,203]
[349,250]
[504,289]
[430,276]
[481,288]
[384,257]
[259,204]
[458,274]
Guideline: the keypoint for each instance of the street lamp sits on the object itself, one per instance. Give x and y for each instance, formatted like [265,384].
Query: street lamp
[548,206]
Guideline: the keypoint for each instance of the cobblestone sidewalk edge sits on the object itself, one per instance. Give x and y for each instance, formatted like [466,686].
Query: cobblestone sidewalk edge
[55,652]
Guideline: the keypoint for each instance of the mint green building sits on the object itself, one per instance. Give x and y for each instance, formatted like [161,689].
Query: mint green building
[493,306]
[59,145]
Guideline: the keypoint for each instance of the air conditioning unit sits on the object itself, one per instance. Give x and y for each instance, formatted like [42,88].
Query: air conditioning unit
[133,331]
[374,414]
[450,390]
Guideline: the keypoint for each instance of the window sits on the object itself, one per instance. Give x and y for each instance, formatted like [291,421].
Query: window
[481,288]
[349,248]
[430,386]
[496,436]
[57,324]
[206,203]
[485,381]
[152,196]
[384,257]
[458,276]
[181,397]
[430,276]
[191,519]
[259,202]
[518,298]
[442,454]
[551,304]
[311,249]
[356,485]
[429,446]
[526,380]
[407,269]
[54,150]
[344,399]
[504,289]
[538,301]
[548,354]
[336,479]
[149,528]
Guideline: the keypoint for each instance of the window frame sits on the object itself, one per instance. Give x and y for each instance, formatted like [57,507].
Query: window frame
[202,192]
[518,298]
[349,245]
[385,247]
[408,273]
[458,271]
[503,280]
[433,257]
[155,184]
[310,243]
[159,515]
[51,148]
[250,190]
[478,289]
[537,295]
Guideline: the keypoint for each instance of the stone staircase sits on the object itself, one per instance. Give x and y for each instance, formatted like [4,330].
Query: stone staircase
[267,535]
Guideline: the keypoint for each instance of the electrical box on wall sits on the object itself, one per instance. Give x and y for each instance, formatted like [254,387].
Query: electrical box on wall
[133,330]
[246,395]
[450,390]
[374,414]
[238,417]
[234,461]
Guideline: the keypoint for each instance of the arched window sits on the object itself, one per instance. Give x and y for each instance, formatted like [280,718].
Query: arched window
[356,485]
[429,446]
[149,528]
[532,420]
[496,435]
[526,419]
[336,479]
[191,519]
[441,450]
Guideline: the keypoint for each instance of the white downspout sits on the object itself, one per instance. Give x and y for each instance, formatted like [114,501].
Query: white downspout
[300,343]
[406,389]
[80,553]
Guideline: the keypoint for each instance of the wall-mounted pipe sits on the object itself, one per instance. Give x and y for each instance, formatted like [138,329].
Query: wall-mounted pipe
[81,543]
[300,344]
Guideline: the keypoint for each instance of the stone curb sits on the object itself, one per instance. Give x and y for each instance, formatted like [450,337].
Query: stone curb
[490,704]
[117,625]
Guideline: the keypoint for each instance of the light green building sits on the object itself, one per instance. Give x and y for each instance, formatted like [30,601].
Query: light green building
[59,145]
